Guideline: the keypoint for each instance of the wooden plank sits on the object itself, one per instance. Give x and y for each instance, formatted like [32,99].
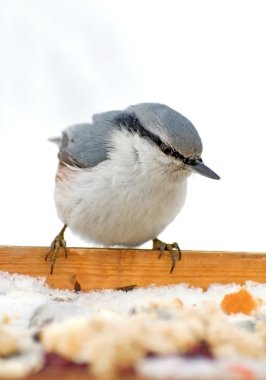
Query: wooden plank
[112,268]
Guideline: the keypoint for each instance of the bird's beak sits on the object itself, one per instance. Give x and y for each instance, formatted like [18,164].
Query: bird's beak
[199,167]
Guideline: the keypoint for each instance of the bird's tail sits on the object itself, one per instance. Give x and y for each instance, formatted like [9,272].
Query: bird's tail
[55,140]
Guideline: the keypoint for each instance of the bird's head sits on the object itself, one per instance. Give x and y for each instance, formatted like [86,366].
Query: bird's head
[170,132]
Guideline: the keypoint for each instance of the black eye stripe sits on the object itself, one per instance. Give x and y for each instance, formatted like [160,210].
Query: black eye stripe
[133,125]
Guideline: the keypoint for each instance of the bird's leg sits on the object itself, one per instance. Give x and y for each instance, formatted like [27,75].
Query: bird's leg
[172,248]
[57,243]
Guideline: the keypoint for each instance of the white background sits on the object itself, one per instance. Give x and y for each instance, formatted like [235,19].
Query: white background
[63,60]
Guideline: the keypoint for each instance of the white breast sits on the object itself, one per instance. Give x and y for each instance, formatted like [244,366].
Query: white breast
[126,200]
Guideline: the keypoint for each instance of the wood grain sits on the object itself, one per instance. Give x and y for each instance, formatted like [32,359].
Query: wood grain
[112,268]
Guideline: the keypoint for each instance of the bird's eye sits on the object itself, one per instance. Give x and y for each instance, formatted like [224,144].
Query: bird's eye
[166,149]
[189,161]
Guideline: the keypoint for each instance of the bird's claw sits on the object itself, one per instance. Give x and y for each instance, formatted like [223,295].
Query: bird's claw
[57,243]
[172,248]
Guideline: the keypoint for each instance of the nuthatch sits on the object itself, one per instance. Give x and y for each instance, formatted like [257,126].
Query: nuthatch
[122,179]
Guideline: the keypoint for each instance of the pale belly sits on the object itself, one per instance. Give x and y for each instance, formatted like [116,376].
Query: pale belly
[115,209]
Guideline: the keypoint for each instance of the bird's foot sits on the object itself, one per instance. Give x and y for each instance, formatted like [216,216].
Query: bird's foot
[173,248]
[57,243]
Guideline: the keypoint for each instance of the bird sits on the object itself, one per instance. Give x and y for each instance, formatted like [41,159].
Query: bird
[122,178]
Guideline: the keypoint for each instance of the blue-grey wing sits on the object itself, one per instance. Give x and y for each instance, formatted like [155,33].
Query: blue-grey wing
[85,145]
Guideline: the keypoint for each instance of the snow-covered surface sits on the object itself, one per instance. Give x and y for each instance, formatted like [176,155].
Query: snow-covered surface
[20,295]
[111,328]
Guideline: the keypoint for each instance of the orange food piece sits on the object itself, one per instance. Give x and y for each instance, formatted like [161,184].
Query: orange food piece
[244,372]
[239,302]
